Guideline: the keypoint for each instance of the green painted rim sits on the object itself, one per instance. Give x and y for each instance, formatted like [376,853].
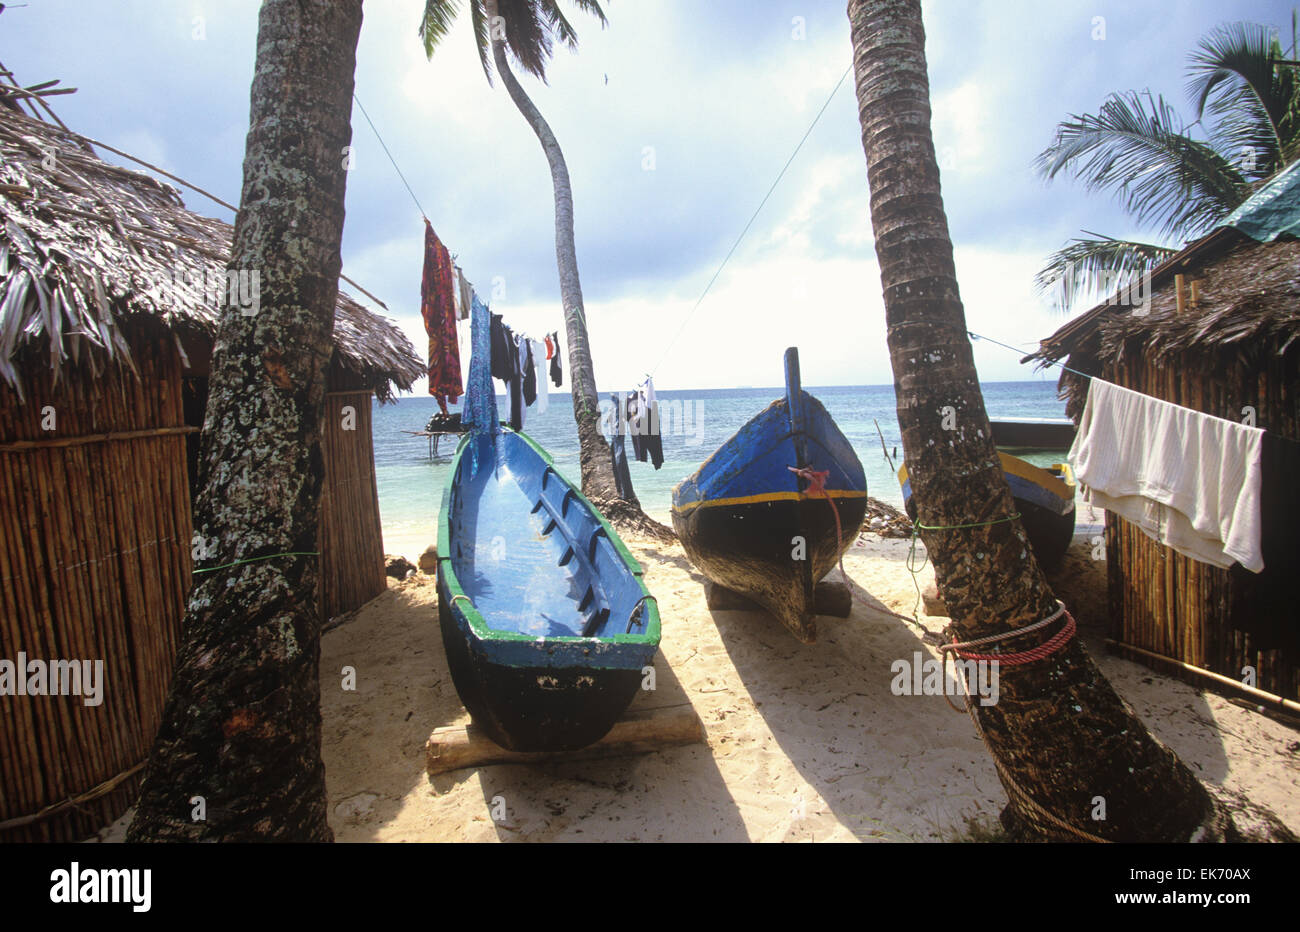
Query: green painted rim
[649,611]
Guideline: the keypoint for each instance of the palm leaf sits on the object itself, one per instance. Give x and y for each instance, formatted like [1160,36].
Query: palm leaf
[528,40]
[531,28]
[1095,268]
[478,19]
[1137,147]
[436,23]
[560,26]
[1232,76]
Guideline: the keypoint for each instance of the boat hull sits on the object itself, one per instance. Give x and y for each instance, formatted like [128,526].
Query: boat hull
[547,625]
[750,524]
[526,706]
[1044,499]
[753,549]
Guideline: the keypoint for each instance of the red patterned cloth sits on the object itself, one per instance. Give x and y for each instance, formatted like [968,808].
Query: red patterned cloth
[438,308]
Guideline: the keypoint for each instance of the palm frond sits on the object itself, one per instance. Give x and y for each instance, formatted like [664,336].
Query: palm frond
[436,23]
[1094,268]
[528,40]
[482,39]
[1138,148]
[531,29]
[1254,105]
[557,23]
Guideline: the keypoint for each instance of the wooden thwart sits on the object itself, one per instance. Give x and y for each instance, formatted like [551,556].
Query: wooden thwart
[638,732]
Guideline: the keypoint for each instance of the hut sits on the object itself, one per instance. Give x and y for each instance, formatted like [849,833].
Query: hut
[1220,334]
[109,295]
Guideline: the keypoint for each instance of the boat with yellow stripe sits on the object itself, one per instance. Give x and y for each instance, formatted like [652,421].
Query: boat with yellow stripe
[775,507]
[1044,498]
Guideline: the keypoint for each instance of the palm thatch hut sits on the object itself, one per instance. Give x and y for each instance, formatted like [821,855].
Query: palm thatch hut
[1221,335]
[109,297]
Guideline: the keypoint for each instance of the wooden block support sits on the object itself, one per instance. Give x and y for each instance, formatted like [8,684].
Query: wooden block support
[933,602]
[831,598]
[721,599]
[639,732]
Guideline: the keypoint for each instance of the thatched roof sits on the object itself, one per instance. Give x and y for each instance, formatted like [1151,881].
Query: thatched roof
[1249,293]
[86,247]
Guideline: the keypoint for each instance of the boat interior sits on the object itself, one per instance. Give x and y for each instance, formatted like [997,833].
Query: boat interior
[531,555]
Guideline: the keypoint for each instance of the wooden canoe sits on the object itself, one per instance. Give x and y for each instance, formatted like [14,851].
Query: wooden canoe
[545,618]
[1044,498]
[751,525]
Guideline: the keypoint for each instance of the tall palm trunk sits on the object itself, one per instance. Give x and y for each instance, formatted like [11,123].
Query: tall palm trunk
[596,462]
[1059,733]
[238,753]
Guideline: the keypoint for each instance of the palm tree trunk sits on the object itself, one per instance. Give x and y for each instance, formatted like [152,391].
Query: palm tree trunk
[238,753]
[596,461]
[1060,735]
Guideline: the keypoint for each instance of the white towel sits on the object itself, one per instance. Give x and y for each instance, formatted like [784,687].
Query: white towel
[1187,479]
[539,365]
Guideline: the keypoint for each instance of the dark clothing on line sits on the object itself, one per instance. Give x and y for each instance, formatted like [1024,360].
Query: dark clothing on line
[530,372]
[556,375]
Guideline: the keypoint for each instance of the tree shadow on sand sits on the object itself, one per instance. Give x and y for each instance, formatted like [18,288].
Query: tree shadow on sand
[676,794]
[882,760]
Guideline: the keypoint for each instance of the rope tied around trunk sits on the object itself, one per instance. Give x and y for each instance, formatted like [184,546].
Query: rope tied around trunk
[1015,658]
[917,528]
[272,556]
[817,486]
[1046,649]
[1012,658]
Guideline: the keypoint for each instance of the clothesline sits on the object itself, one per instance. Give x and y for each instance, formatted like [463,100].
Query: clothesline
[753,217]
[978,336]
[374,130]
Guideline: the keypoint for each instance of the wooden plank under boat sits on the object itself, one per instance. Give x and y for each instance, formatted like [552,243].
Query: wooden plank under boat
[545,618]
[741,515]
[1044,498]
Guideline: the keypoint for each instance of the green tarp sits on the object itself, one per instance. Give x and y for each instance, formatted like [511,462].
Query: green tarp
[1273,210]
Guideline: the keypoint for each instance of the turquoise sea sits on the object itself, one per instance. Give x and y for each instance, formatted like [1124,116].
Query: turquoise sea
[695,424]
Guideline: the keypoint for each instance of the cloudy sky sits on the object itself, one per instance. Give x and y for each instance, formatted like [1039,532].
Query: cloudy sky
[675,120]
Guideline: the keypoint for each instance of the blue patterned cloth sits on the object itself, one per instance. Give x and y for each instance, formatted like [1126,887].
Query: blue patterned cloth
[480,409]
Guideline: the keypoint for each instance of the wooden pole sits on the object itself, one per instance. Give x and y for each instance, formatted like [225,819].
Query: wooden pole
[1257,695]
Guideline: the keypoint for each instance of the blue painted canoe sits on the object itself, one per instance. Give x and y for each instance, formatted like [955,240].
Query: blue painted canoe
[751,525]
[545,618]
[1044,498]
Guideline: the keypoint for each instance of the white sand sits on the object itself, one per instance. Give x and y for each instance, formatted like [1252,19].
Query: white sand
[804,742]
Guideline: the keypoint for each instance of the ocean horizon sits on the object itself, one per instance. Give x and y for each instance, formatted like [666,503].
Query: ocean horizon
[695,422]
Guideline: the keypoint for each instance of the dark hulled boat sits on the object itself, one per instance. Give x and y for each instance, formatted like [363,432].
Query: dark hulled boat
[1044,498]
[743,514]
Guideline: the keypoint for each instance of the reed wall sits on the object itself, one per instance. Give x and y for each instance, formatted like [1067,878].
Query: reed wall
[351,538]
[94,565]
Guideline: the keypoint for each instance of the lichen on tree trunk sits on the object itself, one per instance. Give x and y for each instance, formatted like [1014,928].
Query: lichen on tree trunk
[238,754]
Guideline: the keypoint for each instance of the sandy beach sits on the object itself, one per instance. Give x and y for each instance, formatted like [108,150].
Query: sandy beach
[805,743]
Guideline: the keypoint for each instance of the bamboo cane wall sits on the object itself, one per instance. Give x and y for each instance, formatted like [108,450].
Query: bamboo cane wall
[94,564]
[351,538]
[1161,600]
